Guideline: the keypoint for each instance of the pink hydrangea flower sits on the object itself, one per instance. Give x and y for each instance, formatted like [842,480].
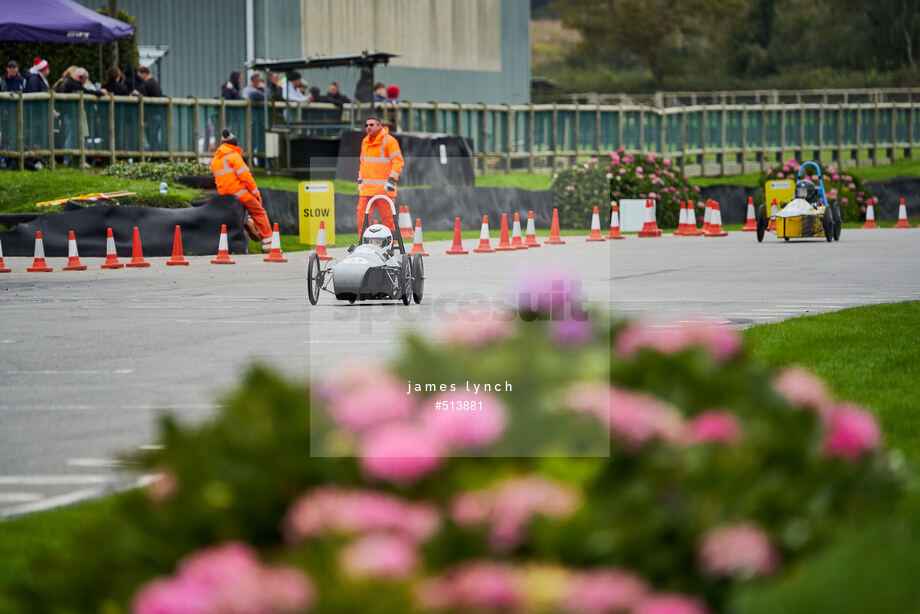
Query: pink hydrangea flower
[737,550]
[466,430]
[852,186]
[477,327]
[334,510]
[714,426]
[802,389]
[478,585]
[667,162]
[780,175]
[651,157]
[508,506]
[629,159]
[163,486]
[722,342]
[603,591]
[225,579]
[380,556]
[622,171]
[570,331]
[851,432]
[400,453]
[364,397]
[637,418]
[639,170]
[671,604]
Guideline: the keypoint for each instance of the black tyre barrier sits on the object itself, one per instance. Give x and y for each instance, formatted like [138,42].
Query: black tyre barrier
[202,182]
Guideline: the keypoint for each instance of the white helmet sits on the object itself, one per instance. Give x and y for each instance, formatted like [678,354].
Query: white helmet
[379,235]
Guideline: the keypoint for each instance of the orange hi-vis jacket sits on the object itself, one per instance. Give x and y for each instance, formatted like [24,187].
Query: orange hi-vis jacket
[380,160]
[231,174]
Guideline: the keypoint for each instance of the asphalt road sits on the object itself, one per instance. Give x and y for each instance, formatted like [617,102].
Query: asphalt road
[88,359]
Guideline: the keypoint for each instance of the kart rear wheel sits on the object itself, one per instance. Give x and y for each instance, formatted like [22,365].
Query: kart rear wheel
[418,278]
[838,222]
[314,279]
[762,222]
[405,280]
[828,222]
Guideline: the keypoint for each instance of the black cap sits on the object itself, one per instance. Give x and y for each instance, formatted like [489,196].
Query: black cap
[12,64]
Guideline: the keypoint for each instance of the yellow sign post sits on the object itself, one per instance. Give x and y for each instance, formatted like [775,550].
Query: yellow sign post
[783,190]
[316,202]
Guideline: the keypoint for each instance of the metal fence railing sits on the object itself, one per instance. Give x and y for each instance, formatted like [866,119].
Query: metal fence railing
[701,139]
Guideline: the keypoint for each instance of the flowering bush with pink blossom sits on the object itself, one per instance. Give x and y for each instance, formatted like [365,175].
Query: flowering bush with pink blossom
[842,187]
[643,469]
[577,190]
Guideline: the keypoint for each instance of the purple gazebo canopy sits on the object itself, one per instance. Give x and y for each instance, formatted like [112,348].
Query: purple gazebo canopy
[58,21]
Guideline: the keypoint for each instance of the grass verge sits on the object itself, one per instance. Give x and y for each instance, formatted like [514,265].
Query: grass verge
[20,190]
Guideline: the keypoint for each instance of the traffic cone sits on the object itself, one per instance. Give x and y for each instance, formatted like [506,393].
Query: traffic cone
[650,227]
[73,258]
[405,222]
[3,267]
[530,239]
[614,222]
[774,209]
[223,249]
[870,214]
[321,252]
[554,238]
[504,241]
[457,247]
[681,220]
[484,246]
[177,258]
[516,241]
[137,253]
[39,265]
[750,225]
[692,230]
[902,216]
[417,247]
[715,222]
[707,218]
[595,227]
[111,257]
[275,254]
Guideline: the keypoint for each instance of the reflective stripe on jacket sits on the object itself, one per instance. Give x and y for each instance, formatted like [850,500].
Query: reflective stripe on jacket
[381,159]
[231,174]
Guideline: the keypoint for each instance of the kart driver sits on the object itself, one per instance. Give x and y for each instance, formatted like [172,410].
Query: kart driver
[381,165]
[379,235]
[805,188]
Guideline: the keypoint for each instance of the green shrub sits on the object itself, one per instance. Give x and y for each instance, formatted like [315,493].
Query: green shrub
[156,171]
[628,461]
[842,187]
[577,190]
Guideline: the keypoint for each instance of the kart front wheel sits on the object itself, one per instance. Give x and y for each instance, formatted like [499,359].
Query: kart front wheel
[314,279]
[828,224]
[405,280]
[761,222]
[838,222]
[418,278]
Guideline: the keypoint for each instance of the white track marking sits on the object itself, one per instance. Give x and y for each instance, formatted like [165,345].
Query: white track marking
[54,480]
[50,372]
[18,497]
[94,462]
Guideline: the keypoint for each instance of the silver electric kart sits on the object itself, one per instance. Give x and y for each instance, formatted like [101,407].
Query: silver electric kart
[369,272]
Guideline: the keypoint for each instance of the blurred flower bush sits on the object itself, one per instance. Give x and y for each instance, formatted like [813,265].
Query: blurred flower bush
[156,171]
[577,190]
[842,187]
[636,468]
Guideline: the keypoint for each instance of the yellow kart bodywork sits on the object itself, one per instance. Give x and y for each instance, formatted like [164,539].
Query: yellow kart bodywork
[801,226]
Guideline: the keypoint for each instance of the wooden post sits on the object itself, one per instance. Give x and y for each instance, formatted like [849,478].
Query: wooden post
[20,132]
[839,133]
[223,120]
[169,126]
[662,131]
[436,122]
[554,135]
[575,128]
[483,136]
[801,155]
[597,127]
[875,114]
[820,155]
[641,129]
[858,134]
[410,119]
[195,127]
[140,125]
[620,124]
[683,140]
[910,132]
[530,145]
[703,140]
[724,116]
[782,131]
[894,132]
[763,137]
[52,163]
[249,132]
[112,127]
[81,117]
[508,138]
[743,137]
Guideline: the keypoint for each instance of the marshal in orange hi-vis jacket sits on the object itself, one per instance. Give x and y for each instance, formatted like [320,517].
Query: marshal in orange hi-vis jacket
[232,176]
[381,164]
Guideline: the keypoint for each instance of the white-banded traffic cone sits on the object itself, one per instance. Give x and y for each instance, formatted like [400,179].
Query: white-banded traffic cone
[417,246]
[681,221]
[614,222]
[275,254]
[484,246]
[750,225]
[595,227]
[516,241]
[223,248]
[111,256]
[3,267]
[902,216]
[692,230]
[321,252]
[774,210]
[707,218]
[715,222]
[650,227]
[870,214]
[38,264]
[530,238]
[405,222]
[73,258]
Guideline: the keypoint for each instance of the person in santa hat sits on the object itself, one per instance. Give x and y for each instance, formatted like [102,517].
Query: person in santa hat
[37,81]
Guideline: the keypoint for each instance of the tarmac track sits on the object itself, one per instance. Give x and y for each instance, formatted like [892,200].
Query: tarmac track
[88,359]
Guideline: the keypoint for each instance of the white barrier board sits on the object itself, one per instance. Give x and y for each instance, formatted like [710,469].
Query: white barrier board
[632,214]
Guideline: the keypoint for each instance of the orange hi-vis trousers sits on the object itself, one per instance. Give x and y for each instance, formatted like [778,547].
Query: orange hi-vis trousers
[259,217]
[386,215]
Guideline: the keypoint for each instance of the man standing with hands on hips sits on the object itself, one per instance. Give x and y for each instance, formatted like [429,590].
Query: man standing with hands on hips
[381,164]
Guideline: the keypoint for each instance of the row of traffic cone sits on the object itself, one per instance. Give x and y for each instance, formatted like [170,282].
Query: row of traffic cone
[40,265]
[751,223]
